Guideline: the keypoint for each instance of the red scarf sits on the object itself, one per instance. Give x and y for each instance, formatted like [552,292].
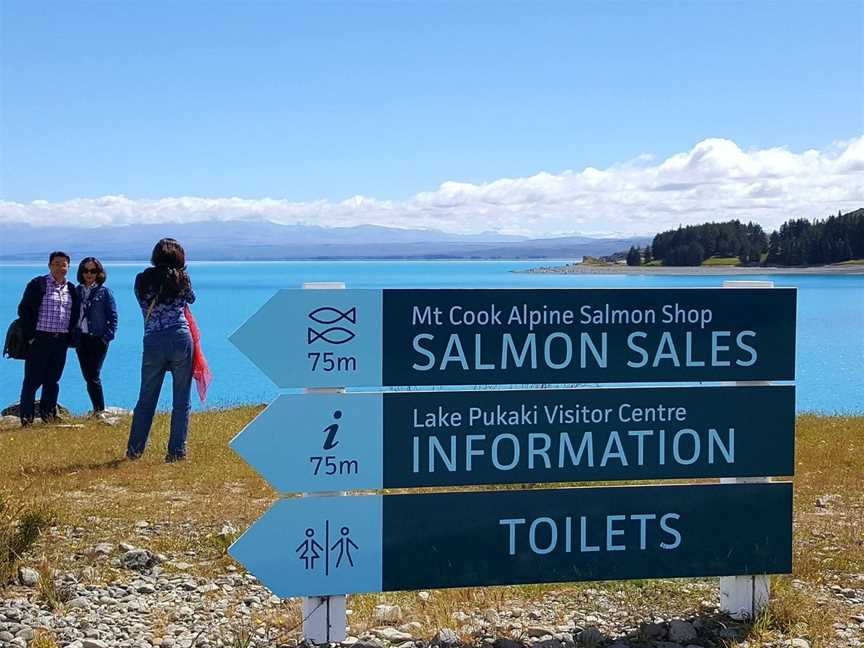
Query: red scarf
[200,371]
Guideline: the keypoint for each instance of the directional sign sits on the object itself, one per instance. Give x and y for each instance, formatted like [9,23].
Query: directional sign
[399,542]
[329,442]
[317,338]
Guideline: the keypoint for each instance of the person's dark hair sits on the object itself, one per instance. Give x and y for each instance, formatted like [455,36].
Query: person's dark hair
[58,253]
[101,275]
[167,279]
[169,253]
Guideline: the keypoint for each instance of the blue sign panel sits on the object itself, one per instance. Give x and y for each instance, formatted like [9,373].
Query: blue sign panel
[458,337]
[319,545]
[320,338]
[329,442]
[543,436]
[311,443]
[316,545]
[316,338]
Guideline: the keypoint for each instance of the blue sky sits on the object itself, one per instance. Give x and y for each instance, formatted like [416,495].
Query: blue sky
[307,102]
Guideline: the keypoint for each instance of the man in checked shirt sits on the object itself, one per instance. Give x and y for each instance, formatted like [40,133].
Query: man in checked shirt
[48,311]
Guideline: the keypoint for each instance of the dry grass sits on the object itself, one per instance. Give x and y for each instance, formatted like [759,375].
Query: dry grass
[43,639]
[77,472]
[20,526]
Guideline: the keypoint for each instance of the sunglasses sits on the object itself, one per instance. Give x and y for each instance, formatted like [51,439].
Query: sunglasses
[90,271]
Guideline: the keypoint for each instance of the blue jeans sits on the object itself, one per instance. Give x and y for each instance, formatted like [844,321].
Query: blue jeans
[167,350]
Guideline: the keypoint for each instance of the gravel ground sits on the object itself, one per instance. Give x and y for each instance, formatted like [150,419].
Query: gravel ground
[152,602]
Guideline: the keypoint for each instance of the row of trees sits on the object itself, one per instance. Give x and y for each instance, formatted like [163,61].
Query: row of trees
[693,244]
[798,242]
[835,239]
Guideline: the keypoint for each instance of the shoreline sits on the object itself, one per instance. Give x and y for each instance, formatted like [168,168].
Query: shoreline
[578,268]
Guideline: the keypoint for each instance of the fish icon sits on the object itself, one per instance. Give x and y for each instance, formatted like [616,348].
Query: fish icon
[333,335]
[330,315]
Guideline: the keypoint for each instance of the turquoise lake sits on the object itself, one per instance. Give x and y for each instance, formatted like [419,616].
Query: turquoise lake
[830,341]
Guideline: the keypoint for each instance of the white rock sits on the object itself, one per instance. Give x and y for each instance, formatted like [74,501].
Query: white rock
[446,637]
[93,643]
[388,613]
[28,577]
[228,530]
[118,411]
[103,549]
[392,635]
[796,643]
[424,596]
[25,633]
[79,602]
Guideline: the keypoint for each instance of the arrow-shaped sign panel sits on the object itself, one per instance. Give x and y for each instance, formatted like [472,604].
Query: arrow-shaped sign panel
[318,545]
[316,338]
[311,443]
[329,442]
[354,338]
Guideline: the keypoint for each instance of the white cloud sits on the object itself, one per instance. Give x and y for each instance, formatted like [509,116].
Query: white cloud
[715,180]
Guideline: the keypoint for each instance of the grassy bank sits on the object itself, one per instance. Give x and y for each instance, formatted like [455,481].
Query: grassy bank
[74,475]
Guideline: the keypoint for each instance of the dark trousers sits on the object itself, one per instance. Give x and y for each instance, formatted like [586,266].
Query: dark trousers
[91,352]
[43,368]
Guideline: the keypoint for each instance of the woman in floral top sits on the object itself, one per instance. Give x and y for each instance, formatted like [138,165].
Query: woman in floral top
[163,292]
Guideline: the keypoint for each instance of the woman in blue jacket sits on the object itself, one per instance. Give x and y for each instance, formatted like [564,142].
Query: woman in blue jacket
[96,327]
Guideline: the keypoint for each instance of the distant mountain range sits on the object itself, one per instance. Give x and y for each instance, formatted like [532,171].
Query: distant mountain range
[257,240]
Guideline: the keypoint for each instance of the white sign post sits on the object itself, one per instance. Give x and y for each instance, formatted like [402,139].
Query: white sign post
[743,597]
[324,617]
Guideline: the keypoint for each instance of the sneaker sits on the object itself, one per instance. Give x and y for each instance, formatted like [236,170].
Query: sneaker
[26,422]
[172,458]
[132,457]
